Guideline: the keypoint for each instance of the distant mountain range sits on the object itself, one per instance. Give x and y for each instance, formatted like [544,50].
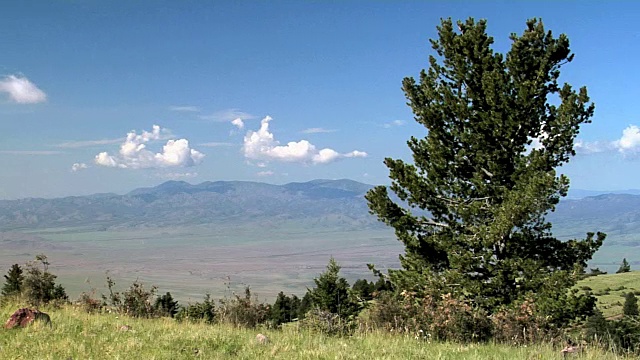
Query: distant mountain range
[338,204]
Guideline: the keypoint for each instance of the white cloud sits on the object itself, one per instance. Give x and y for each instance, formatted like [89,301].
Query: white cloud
[394,123]
[227,115]
[592,147]
[87,143]
[265,173]
[184,108]
[174,175]
[261,145]
[133,153]
[78,166]
[30,152]
[356,154]
[629,143]
[316,130]
[237,122]
[21,90]
[216,144]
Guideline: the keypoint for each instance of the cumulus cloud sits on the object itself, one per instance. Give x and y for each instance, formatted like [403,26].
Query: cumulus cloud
[237,122]
[316,130]
[265,173]
[261,145]
[629,143]
[78,166]
[21,90]
[133,153]
[394,123]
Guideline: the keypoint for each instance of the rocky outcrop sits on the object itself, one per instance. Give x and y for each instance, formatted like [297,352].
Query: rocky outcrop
[25,316]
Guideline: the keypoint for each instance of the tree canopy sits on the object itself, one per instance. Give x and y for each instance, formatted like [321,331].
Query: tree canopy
[470,209]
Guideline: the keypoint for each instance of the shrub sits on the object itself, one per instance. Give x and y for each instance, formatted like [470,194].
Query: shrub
[446,318]
[326,322]
[39,285]
[135,301]
[88,303]
[520,324]
[630,307]
[243,311]
[166,306]
[621,336]
[204,311]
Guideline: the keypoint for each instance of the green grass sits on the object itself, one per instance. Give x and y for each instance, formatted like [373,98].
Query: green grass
[610,288]
[78,335]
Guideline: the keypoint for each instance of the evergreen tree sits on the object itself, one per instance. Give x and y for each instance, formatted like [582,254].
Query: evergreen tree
[624,267]
[285,309]
[332,292]
[166,306]
[472,205]
[13,281]
[630,307]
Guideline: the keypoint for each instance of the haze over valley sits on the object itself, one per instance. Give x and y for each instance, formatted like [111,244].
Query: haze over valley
[218,236]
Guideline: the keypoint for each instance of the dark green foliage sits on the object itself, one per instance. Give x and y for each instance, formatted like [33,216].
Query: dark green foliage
[331,293]
[472,205]
[363,290]
[622,336]
[204,311]
[596,272]
[285,309]
[40,285]
[13,281]
[624,267]
[166,306]
[630,307]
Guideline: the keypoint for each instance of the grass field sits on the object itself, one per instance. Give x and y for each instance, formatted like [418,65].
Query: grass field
[609,290]
[78,335]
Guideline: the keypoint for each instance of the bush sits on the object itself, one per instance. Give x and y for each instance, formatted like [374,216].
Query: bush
[326,322]
[621,336]
[445,318]
[204,311]
[39,284]
[243,311]
[136,301]
[520,324]
[88,303]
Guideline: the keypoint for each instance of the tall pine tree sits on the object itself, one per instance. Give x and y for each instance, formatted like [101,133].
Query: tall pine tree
[471,206]
[13,281]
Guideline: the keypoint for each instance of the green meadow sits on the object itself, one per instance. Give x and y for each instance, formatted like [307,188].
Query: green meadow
[74,334]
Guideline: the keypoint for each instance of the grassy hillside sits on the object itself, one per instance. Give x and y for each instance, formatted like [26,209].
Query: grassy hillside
[610,288]
[78,335]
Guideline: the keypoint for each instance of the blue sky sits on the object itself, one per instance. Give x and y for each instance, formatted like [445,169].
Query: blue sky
[316,86]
